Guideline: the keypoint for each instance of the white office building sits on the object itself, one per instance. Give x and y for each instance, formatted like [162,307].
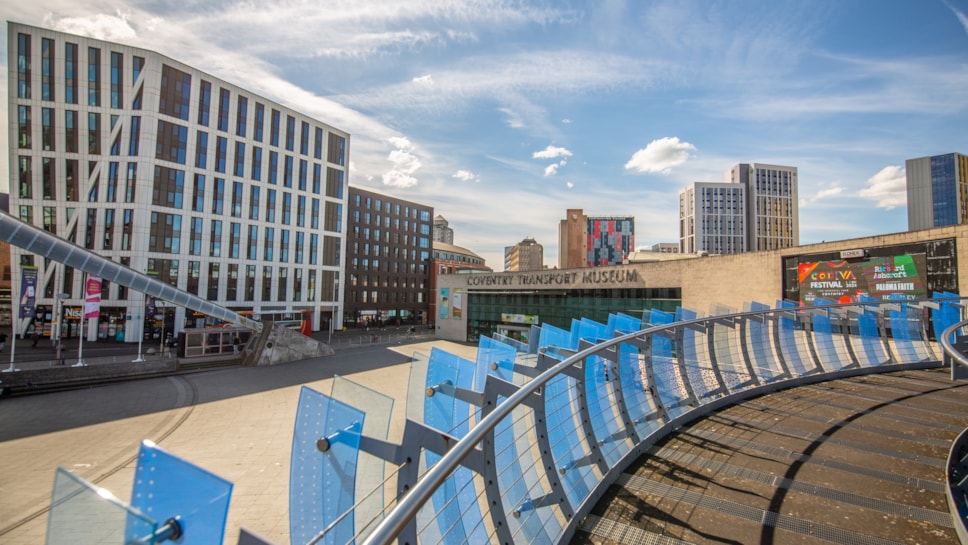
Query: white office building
[170,171]
[712,218]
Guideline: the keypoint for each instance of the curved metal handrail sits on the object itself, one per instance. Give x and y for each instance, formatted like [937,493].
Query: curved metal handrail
[407,509]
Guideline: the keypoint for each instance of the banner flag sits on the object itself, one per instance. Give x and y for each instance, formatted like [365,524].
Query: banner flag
[92,303]
[28,291]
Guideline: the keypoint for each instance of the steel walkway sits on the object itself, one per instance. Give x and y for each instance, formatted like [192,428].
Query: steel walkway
[856,461]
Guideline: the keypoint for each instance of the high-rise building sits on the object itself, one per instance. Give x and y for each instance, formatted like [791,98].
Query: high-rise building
[755,209]
[526,255]
[166,169]
[590,241]
[772,208]
[937,191]
[443,233]
[712,218]
[389,248]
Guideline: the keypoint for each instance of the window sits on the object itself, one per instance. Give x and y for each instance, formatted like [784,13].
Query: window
[224,96]
[215,240]
[239,169]
[46,69]
[204,102]
[235,239]
[337,149]
[172,142]
[260,113]
[201,149]
[94,133]
[221,150]
[47,129]
[218,199]
[256,173]
[23,127]
[254,203]
[117,80]
[176,93]
[271,206]
[70,131]
[268,243]
[195,237]
[304,139]
[274,129]
[290,132]
[242,111]
[236,199]
[70,73]
[198,197]
[23,66]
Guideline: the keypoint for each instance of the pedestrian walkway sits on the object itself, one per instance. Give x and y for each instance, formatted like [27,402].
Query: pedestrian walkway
[852,461]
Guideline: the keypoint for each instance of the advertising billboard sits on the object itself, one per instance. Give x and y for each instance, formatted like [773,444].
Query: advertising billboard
[879,278]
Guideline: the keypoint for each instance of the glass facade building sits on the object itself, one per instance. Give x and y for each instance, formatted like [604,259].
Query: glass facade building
[170,171]
[937,191]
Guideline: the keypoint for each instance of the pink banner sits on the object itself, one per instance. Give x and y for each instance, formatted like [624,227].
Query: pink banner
[92,303]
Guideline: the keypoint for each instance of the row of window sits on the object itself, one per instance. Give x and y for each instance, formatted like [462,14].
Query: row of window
[174,99]
[372,203]
[72,73]
[172,145]
[376,297]
[240,282]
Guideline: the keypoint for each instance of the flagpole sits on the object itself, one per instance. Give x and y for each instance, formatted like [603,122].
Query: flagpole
[141,333]
[13,348]
[80,344]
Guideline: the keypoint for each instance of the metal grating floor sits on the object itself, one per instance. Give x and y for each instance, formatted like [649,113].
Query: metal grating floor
[838,462]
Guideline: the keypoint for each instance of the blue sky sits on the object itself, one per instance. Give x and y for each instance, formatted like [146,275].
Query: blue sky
[502,114]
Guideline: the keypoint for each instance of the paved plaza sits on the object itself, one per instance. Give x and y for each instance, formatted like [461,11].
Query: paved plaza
[235,422]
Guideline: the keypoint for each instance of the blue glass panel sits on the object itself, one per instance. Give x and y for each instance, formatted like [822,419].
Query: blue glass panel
[664,368]
[166,486]
[458,515]
[947,315]
[553,336]
[623,323]
[791,349]
[501,355]
[605,422]
[520,480]
[824,341]
[81,514]
[701,377]
[760,346]
[568,451]
[906,330]
[575,338]
[322,485]
[874,352]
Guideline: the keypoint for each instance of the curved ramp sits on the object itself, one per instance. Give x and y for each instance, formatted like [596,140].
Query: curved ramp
[853,461]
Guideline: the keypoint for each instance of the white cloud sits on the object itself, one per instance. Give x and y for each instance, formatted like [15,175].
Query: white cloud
[400,142]
[660,155]
[566,121]
[569,185]
[962,18]
[100,26]
[514,119]
[552,169]
[820,195]
[424,80]
[404,164]
[466,176]
[888,187]
[551,152]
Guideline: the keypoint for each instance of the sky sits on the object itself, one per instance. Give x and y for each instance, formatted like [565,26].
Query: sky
[503,114]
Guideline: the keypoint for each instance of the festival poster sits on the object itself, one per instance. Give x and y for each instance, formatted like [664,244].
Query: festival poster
[92,301]
[891,277]
[444,308]
[28,291]
[835,281]
[879,278]
[457,303]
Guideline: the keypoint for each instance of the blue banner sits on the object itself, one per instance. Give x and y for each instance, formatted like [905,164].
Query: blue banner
[28,291]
